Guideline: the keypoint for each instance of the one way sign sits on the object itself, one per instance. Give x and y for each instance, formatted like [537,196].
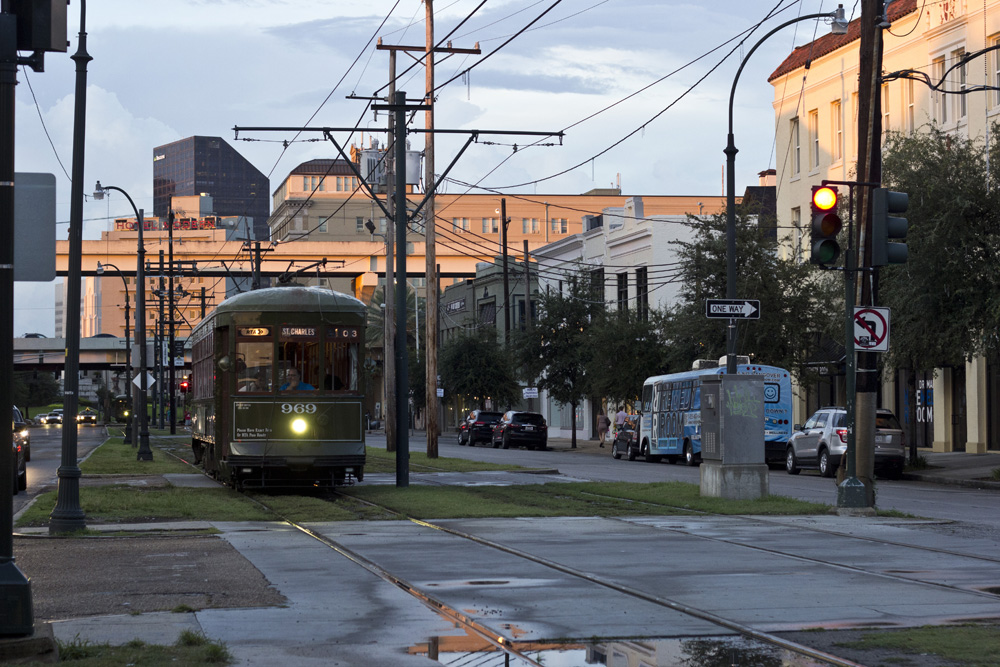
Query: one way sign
[745,309]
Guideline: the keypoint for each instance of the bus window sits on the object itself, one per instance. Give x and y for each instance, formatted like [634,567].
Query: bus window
[647,399]
[254,359]
[298,358]
[664,397]
[341,354]
[696,401]
[675,399]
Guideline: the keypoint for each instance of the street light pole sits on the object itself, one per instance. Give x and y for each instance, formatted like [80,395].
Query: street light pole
[128,348]
[144,453]
[839,27]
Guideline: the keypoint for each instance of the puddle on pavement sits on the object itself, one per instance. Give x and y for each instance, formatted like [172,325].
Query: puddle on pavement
[732,651]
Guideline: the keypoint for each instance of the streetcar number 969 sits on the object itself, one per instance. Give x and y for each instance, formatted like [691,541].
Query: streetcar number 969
[298,408]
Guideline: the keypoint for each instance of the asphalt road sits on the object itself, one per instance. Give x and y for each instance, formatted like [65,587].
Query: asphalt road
[46,457]
[922,499]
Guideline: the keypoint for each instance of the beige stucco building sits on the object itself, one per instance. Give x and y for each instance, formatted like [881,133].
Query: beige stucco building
[815,104]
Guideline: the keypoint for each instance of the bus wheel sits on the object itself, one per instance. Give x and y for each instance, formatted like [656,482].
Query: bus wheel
[689,459]
[649,457]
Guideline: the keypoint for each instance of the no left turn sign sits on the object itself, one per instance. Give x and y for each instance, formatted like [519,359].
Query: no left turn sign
[871,329]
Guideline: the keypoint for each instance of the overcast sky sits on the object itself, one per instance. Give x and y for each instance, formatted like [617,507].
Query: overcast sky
[171,69]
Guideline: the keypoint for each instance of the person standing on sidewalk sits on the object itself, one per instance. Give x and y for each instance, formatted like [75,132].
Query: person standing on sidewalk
[603,424]
[620,418]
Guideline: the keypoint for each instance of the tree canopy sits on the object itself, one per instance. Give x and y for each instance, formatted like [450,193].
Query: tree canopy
[477,367]
[945,299]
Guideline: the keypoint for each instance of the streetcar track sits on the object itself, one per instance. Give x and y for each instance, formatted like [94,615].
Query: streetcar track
[508,644]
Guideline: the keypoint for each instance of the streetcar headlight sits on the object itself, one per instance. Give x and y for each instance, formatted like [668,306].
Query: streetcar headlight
[299,425]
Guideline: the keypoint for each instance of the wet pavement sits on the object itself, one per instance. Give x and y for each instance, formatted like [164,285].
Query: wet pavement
[373,593]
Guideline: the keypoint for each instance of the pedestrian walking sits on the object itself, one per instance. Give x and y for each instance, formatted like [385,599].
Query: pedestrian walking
[603,424]
[620,418]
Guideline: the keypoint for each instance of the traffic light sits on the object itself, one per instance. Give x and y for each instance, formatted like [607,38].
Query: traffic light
[826,224]
[886,205]
[185,386]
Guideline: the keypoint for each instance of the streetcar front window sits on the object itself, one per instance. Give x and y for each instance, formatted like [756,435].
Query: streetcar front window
[341,353]
[299,358]
[253,365]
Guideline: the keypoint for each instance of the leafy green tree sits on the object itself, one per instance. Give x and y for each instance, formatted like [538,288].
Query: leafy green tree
[945,299]
[477,367]
[555,350]
[799,304]
[34,389]
[635,348]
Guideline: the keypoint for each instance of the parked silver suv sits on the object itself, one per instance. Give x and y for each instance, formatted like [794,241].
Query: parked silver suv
[822,440]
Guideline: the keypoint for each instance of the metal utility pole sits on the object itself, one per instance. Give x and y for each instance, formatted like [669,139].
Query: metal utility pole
[430,392]
[389,294]
[68,516]
[504,220]
[402,374]
[170,309]
[527,298]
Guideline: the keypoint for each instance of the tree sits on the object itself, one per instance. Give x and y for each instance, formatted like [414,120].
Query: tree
[944,299]
[798,303]
[477,367]
[637,347]
[556,349]
[33,389]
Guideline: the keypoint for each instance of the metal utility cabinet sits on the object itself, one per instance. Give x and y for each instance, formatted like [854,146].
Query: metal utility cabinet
[732,437]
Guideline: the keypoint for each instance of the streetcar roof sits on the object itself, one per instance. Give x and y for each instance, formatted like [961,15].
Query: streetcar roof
[291,297]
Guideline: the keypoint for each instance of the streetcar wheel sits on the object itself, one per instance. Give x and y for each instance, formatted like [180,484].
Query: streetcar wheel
[614,450]
[826,469]
[791,465]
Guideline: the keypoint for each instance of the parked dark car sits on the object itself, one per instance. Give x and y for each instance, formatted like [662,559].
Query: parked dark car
[22,433]
[624,443]
[477,427]
[20,429]
[526,429]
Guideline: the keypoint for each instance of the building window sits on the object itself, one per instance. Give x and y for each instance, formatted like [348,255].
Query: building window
[837,121]
[885,111]
[359,224]
[995,42]
[642,293]
[322,226]
[558,225]
[623,292]
[854,124]
[963,83]
[796,148]
[910,108]
[940,99]
[797,230]
[529,225]
[459,224]
[490,226]
[813,139]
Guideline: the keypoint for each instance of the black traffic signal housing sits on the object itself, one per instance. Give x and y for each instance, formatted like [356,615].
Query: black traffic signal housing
[824,248]
[185,386]
[887,225]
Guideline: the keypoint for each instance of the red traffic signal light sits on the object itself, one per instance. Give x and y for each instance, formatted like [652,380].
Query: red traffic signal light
[185,386]
[825,225]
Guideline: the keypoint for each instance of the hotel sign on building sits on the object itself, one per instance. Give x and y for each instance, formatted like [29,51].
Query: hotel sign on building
[156,225]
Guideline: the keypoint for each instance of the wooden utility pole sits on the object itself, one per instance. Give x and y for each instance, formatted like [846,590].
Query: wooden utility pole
[869,170]
[430,389]
[503,251]
[527,299]
[430,272]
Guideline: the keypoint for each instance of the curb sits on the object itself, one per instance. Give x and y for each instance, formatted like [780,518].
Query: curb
[982,485]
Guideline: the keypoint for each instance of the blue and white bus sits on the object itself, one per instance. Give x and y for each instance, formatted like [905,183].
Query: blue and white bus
[670,424]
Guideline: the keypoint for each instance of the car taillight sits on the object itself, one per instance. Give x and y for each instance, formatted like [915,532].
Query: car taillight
[842,434]
[480,424]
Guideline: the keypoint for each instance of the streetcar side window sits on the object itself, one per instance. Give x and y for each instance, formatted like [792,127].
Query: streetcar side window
[299,359]
[341,354]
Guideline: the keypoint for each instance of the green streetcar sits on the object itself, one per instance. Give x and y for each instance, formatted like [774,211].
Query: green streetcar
[276,389]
